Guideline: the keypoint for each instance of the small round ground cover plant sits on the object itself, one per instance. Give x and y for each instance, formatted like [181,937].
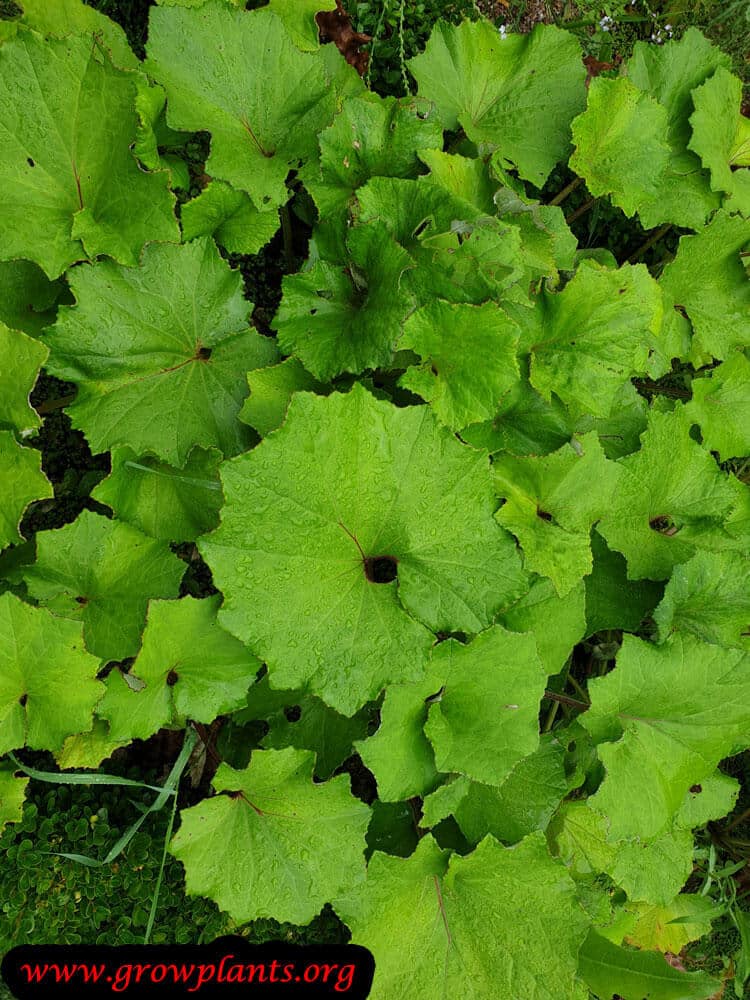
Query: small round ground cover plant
[349,536]
[383,462]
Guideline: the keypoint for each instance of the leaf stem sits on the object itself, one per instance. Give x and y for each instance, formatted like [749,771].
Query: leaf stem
[736,821]
[55,404]
[654,238]
[580,211]
[563,699]
[286,234]
[568,189]
[579,689]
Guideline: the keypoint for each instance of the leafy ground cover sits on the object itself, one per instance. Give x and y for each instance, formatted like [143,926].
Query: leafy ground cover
[375,470]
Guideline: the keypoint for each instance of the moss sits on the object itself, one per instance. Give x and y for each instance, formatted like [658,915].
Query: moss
[45,898]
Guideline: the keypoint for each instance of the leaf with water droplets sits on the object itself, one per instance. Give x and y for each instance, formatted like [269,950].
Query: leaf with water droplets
[59,207]
[274,844]
[671,499]
[663,719]
[516,95]
[103,573]
[143,342]
[48,685]
[173,504]
[187,668]
[357,527]
[474,927]
[222,71]
[552,501]
[486,719]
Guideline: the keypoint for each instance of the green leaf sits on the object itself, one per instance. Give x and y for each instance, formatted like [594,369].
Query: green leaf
[632,141]
[620,431]
[524,424]
[71,187]
[714,797]
[578,836]
[673,711]
[89,750]
[399,754]
[444,801]
[346,319]
[27,298]
[551,503]
[708,597]
[469,355]
[230,217]
[656,870]
[557,623]
[673,925]
[24,358]
[298,17]
[276,845]
[652,871]
[305,722]
[169,503]
[707,279]
[516,94]
[462,176]
[141,341]
[472,927]
[486,718]
[103,573]
[670,73]
[23,481]
[548,244]
[613,601]
[12,794]
[263,101]
[460,255]
[271,390]
[351,486]
[620,143]
[169,681]
[523,803]
[48,686]
[197,3]
[371,136]
[719,136]
[610,970]
[58,18]
[670,496]
[587,340]
[721,405]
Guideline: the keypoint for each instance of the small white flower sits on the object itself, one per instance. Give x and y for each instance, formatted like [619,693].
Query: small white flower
[503,30]
[606,23]
[669,29]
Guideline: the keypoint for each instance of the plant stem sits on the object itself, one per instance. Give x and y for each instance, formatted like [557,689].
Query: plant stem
[563,699]
[579,690]
[654,238]
[54,404]
[568,189]
[286,235]
[580,211]
[737,820]
[401,52]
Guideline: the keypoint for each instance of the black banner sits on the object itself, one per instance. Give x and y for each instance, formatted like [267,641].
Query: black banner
[227,968]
